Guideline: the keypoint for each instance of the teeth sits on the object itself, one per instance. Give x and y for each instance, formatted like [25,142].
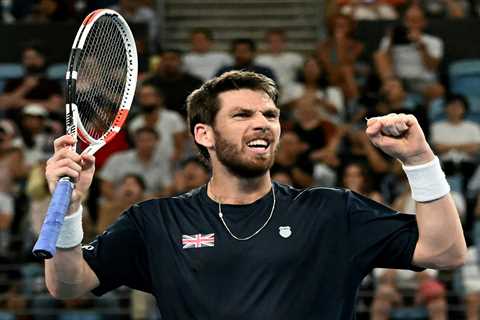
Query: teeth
[258,142]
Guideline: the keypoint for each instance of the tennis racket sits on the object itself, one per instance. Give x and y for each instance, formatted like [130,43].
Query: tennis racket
[100,84]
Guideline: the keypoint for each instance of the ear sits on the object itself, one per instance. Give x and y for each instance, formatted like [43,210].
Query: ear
[203,135]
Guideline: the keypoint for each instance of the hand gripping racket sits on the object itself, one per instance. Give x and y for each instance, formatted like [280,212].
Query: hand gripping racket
[100,84]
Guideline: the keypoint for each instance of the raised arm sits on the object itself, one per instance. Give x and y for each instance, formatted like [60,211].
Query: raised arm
[441,242]
[67,275]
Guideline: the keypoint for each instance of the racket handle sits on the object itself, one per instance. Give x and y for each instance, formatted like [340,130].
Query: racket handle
[45,247]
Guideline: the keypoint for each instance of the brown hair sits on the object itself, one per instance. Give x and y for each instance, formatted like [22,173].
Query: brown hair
[203,104]
[331,20]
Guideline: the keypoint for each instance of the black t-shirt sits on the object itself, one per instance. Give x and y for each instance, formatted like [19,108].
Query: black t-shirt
[307,263]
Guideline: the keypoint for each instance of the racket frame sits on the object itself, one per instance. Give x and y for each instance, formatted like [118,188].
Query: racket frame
[75,126]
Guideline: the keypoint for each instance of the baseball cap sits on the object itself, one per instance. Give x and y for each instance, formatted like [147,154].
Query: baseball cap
[35,110]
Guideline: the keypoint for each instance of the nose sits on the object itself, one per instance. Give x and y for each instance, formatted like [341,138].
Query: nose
[261,123]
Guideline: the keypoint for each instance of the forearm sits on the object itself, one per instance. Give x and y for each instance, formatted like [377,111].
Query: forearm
[441,243]
[430,62]
[67,275]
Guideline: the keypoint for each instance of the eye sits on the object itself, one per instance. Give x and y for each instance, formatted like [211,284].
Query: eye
[241,115]
[271,115]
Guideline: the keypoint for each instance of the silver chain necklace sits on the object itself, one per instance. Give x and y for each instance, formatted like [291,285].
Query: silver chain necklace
[220,214]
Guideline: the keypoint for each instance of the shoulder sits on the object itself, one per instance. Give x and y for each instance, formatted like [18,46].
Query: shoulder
[431,40]
[122,155]
[170,115]
[309,194]
[470,124]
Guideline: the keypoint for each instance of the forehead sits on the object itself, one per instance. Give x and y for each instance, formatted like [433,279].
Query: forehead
[245,99]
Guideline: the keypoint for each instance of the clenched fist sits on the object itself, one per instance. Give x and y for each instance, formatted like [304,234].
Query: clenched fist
[400,136]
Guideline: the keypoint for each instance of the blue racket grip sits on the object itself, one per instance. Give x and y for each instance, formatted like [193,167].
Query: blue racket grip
[45,247]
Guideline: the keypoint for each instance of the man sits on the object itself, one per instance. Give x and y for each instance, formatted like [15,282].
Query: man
[244,50]
[33,87]
[173,82]
[168,123]
[285,64]
[144,160]
[457,140]
[241,247]
[412,55]
[202,61]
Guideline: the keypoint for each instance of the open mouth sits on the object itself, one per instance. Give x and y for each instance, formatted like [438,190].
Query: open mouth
[258,145]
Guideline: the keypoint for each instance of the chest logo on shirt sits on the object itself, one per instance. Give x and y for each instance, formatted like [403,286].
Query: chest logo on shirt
[285,231]
[198,240]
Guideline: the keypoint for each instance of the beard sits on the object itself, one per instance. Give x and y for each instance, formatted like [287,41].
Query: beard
[237,163]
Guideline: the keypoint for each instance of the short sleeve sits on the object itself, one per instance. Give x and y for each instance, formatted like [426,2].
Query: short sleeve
[434,46]
[178,123]
[384,43]
[110,170]
[380,236]
[118,257]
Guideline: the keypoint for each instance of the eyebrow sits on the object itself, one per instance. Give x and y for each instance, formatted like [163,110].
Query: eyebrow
[275,110]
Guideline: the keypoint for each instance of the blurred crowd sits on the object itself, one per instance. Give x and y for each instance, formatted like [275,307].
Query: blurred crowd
[326,97]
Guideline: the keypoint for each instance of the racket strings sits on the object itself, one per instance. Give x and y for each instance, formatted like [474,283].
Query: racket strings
[102,75]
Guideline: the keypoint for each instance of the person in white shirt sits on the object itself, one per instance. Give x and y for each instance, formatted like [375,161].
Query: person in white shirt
[169,124]
[145,160]
[456,140]
[201,61]
[285,64]
[312,88]
[411,55]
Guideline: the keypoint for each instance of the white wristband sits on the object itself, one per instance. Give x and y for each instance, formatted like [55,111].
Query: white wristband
[427,181]
[71,234]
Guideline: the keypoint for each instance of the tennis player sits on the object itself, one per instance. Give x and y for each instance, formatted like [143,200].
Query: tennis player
[244,247]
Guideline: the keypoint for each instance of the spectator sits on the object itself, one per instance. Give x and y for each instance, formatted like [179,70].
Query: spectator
[354,145]
[134,11]
[202,61]
[144,160]
[312,88]
[38,133]
[34,87]
[169,124]
[456,140]
[446,8]
[368,9]
[194,172]
[357,178]
[12,166]
[6,218]
[394,287]
[130,191]
[319,134]
[339,53]
[244,51]
[394,98]
[411,55]
[39,196]
[292,160]
[45,11]
[284,64]
[173,82]
[470,283]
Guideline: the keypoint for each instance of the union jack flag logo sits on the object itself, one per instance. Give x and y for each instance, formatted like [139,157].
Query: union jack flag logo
[198,240]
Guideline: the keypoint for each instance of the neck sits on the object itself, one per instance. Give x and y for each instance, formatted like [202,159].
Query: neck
[145,156]
[231,189]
